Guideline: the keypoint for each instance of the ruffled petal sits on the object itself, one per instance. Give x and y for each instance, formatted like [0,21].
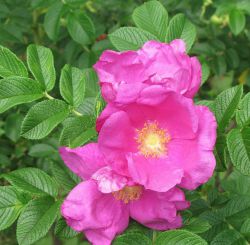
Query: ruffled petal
[158,174]
[83,161]
[109,181]
[159,210]
[100,216]
[115,139]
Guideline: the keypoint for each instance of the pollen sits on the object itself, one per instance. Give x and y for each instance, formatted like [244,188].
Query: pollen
[128,193]
[152,140]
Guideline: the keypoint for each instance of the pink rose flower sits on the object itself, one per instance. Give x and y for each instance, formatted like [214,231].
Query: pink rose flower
[101,205]
[160,141]
[124,75]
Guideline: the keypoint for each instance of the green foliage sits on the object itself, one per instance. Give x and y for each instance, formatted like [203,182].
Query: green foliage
[49,104]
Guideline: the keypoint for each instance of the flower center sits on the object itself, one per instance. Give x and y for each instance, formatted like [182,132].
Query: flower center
[128,193]
[152,140]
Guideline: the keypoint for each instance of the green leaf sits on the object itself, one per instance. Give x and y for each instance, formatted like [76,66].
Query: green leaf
[181,27]
[245,228]
[62,230]
[81,28]
[43,117]
[41,64]
[36,220]
[225,105]
[229,237]
[197,225]
[13,126]
[180,237]
[205,72]
[130,38]
[10,206]
[32,180]
[237,21]
[72,85]
[152,17]
[75,128]
[64,176]
[135,238]
[10,64]
[52,20]
[18,90]
[42,150]
[243,114]
[238,143]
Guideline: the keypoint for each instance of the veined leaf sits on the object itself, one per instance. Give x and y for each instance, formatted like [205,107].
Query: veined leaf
[32,180]
[18,90]
[229,237]
[72,85]
[41,64]
[36,220]
[62,230]
[135,238]
[10,206]
[52,20]
[130,38]
[80,28]
[10,64]
[225,105]
[180,237]
[238,143]
[181,27]
[152,17]
[43,117]
[237,21]
[243,114]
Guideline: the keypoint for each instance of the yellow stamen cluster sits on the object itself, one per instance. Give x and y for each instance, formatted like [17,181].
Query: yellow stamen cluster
[128,193]
[152,140]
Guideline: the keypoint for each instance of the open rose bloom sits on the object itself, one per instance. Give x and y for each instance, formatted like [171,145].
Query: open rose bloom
[152,140]
[101,205]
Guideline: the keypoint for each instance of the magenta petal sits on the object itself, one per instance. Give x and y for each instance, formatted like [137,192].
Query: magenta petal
[158,210]
[100,215]
[178,45]
[108,180]
[158,174]
[115,139]
[83,161]
[199,161]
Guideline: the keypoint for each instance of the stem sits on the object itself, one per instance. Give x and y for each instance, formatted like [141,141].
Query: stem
[154,237]
[77,113]
[48,96]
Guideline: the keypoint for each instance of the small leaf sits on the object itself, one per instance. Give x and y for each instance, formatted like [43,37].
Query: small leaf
[181,27]
[36,220]
[152,17]
[135,238]
[180,237]
[13,126]
[17,90]
[130,38]
[74,127]
[43,117]
[238,144]
[10,206]
[62,230]
[41,64]
[72,85]
[237,21]
[52,20]
[243,114]
[245,228]
[32,180]
[197,225]
[41,150]
[10,64]
[205,72]
[229,237]
[225,105]
[83,138]
[81,28]
[64,176]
